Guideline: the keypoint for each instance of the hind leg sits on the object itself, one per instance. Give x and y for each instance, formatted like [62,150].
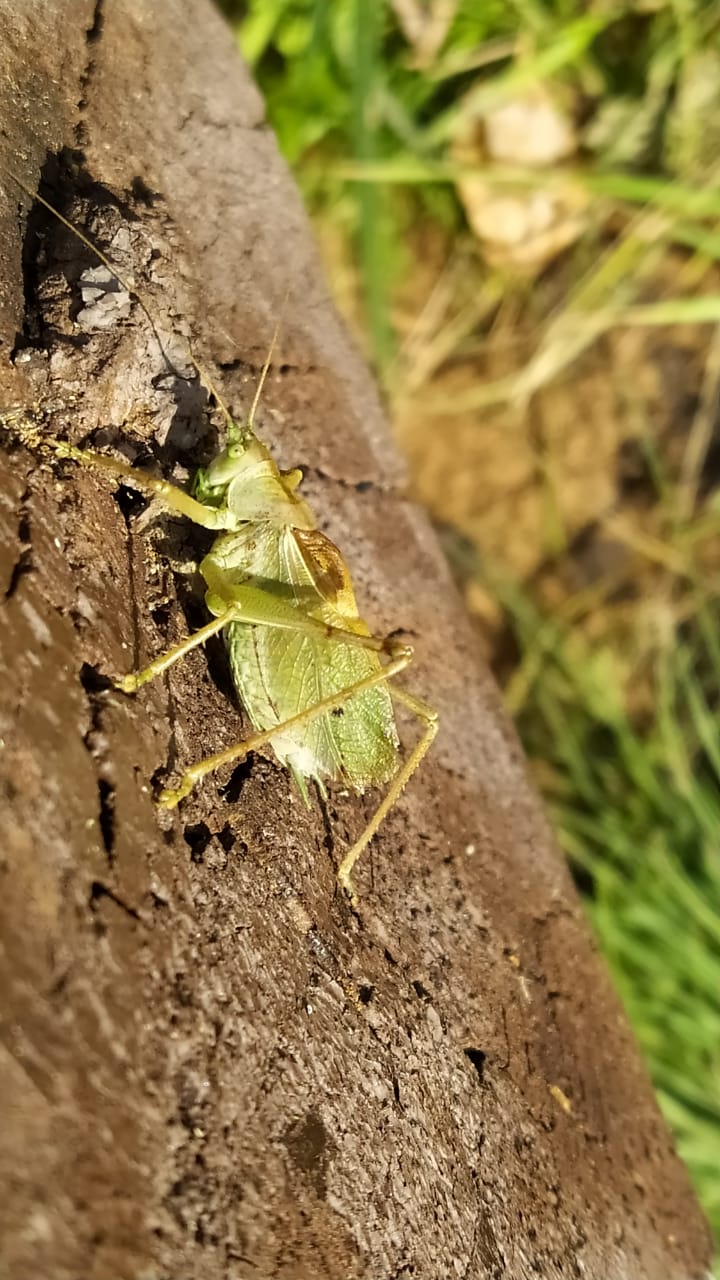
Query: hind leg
[429,718]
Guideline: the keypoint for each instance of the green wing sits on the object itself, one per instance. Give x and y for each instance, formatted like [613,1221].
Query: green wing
[279,673]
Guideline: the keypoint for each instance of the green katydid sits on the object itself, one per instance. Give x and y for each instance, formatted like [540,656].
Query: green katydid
[306,667]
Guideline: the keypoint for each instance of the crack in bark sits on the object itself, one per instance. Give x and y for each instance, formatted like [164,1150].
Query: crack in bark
[106,817]
[98,890]
[92,35]
[97,746]
[24,561]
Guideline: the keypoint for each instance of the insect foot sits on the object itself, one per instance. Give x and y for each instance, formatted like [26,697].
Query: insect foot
[129,684]
[343,878]
[170,797]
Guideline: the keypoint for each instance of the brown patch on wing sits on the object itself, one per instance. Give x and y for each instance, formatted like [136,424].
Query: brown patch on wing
[328,570]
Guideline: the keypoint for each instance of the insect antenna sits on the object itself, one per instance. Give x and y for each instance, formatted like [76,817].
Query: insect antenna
[263,376]
[238,434]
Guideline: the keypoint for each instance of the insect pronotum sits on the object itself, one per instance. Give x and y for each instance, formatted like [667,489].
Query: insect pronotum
[280,592]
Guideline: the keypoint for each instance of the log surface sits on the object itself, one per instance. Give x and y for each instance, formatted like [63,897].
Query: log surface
[211,1065]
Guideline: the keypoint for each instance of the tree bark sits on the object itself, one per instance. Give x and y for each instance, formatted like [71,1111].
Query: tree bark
[212,1066]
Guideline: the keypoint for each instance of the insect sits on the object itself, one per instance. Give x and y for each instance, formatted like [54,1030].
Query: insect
[316,684]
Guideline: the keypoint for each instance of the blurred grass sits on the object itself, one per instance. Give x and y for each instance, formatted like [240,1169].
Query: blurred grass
[637,811]
[614,686]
